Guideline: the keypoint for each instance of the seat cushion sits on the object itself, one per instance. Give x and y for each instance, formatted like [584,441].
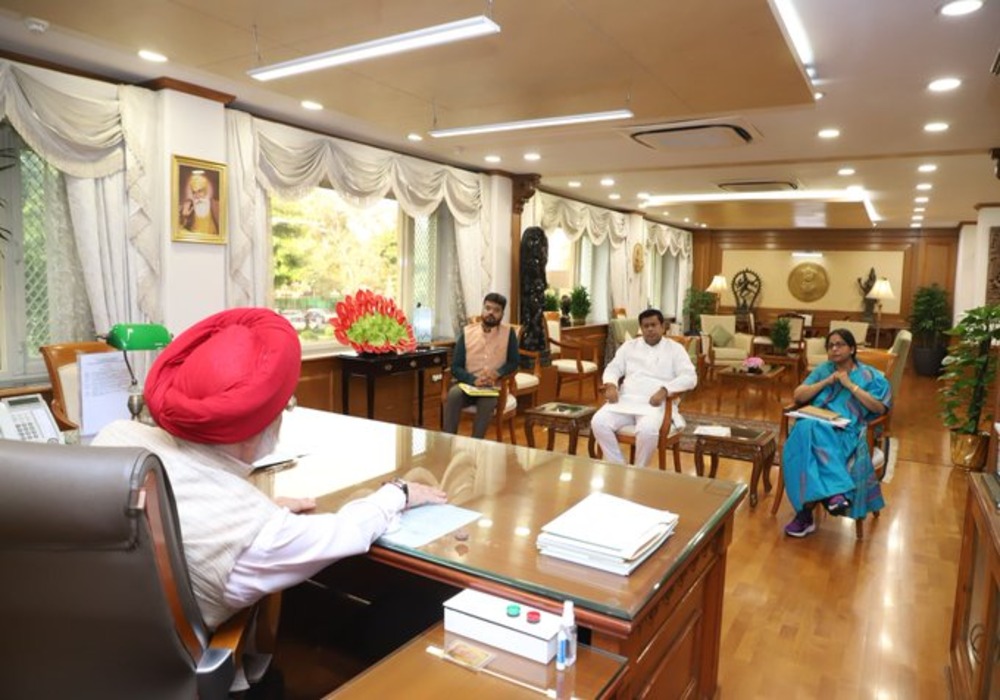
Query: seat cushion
[569,366]
[721,338]
[629,431]
[511,405]
[526,380]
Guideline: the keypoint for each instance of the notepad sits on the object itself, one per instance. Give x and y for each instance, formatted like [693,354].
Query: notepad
[823,414]
[470,390]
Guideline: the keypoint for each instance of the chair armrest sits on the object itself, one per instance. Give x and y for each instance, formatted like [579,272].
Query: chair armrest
[536,360]
[217,665]
[668,414]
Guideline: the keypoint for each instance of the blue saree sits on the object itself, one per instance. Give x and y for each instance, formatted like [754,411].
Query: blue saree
[820,460]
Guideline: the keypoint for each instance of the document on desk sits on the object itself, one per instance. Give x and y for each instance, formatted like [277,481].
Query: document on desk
[104,389]
[424,524]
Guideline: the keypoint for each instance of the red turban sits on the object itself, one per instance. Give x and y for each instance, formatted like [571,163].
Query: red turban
[226,378]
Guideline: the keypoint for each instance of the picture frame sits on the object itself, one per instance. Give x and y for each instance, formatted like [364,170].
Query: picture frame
[199,201]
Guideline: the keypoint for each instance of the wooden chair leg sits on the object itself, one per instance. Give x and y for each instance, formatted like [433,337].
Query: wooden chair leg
[677,457]
[859,528]
[631,454]
[510,427]
[779,489]
[661,455]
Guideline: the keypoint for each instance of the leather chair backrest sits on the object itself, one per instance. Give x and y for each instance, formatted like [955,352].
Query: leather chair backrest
[89,602]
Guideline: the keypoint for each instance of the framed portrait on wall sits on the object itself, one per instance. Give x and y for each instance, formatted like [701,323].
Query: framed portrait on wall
[198,199]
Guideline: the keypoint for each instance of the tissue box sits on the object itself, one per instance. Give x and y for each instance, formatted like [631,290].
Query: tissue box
[484,618]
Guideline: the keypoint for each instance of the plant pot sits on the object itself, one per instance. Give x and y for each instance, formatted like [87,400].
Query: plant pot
[969,451]
[579,320]
[927,360]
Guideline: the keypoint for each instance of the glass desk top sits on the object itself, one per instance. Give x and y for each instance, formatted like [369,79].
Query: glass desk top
[516,490]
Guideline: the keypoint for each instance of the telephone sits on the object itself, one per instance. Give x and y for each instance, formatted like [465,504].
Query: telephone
[28,418]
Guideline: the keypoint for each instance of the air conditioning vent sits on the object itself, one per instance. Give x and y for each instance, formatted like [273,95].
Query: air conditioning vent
[759,186]
[712,133]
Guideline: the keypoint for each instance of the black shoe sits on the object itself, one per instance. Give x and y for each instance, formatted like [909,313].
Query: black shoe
[837,505]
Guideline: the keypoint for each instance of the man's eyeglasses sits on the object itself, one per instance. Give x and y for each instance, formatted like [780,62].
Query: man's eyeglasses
[835,345]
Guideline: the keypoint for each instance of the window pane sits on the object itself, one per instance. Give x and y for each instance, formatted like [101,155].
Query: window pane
[35,274]
[325,249]
[559,270]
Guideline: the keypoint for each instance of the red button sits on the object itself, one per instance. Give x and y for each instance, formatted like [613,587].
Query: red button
[534,616]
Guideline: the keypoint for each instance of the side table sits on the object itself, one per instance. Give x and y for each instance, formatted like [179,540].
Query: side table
[558,417]
[372,366]
[752,444]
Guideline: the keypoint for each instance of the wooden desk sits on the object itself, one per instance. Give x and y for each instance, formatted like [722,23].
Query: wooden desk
[373,366]
[665,618]
[426,675]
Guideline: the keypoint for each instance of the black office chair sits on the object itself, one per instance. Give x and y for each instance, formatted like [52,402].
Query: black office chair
[95,599]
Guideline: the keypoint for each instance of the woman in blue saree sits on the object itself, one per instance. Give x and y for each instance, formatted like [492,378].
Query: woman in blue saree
[830,465]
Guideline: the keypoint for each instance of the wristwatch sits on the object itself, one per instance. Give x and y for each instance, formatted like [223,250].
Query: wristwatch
[402,486]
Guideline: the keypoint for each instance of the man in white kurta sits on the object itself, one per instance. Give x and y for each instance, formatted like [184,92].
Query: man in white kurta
[654,369]
[218,393]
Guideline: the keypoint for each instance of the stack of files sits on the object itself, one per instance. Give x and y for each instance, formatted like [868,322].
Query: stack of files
[607,533]
[823,414]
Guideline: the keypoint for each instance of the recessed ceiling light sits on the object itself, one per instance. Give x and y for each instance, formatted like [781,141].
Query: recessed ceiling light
[312,106]
[532,156]
[936,127]
[917,217]
[152,56]
[607,181]
[915,225]
[703,225]
[924,186]
[818,95]
[927,168]
[414,136]
[643,195]
[943,84]
[846,171]
[687,220]
[614,195]
[919,210]
[921,200]
[573,183]
[492,158]
[666,213]
[829,133]
[960,7]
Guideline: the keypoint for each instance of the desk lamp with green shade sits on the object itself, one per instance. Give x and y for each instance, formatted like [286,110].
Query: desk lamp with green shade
[135,337]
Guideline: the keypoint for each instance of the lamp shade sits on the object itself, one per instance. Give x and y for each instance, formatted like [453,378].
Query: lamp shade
[881,290]
[718,284]
[138,336]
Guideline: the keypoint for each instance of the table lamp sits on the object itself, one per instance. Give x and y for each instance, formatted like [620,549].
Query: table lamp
[717,287]
[880,290]
[136,336]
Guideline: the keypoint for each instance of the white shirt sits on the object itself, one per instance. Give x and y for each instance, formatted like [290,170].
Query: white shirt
[649,368]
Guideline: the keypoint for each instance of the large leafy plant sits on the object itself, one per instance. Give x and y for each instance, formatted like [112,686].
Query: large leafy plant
[697,302]
[930,317]
[370,322]
[969,369]
[579,302]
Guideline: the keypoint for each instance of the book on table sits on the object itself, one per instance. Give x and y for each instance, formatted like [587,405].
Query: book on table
[607,533]
[471,390]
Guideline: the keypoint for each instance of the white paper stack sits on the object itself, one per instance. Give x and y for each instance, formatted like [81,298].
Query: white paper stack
[607,532]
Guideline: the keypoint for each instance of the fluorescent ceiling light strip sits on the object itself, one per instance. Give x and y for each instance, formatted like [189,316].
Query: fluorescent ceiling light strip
[845,195]
[796,31]
[533,123]
[408,41]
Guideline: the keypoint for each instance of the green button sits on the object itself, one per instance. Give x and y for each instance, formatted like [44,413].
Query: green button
[513,610]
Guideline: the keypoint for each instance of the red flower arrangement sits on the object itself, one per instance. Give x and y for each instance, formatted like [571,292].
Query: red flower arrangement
[370,322]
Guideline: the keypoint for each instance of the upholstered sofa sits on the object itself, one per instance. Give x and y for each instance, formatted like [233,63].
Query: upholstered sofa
[726,347]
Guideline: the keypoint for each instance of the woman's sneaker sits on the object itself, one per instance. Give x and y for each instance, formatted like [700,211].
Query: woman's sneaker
[802,524]
[838,505]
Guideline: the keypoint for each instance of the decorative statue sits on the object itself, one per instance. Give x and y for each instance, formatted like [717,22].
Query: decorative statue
[746,289]
[866,286]
[534,257]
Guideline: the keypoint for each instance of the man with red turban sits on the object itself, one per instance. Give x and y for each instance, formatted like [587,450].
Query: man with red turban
[217,394]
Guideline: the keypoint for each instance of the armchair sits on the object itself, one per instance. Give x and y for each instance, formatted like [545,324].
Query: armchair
[726,347]
[95,595]
[669,438]
[60,361]
[576,362]
[505,411]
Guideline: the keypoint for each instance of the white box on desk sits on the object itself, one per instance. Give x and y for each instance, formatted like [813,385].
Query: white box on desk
[483,617]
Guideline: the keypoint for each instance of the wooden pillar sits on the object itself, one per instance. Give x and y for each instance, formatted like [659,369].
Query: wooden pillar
[523,189]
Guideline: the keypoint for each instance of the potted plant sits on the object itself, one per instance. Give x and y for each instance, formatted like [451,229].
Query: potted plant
[781,335]
[551,302]
[697,302]
[579,304]
[929,320]
[969,370]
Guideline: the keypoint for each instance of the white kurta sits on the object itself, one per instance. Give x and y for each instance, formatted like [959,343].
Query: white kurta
[239,545]
[646,369]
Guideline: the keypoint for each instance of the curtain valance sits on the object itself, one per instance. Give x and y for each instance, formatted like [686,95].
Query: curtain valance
[667,238]
[577,219]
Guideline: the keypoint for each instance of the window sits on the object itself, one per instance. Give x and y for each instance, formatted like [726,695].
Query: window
[38,262]
[324,249]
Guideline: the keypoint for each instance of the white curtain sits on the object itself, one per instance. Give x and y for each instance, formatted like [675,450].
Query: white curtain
[102,135]
[675,243]
[292,162]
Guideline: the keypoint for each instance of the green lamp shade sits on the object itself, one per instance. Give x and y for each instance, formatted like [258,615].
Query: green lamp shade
[138,336]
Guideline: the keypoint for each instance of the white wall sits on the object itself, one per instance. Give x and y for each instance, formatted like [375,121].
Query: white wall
[194,282]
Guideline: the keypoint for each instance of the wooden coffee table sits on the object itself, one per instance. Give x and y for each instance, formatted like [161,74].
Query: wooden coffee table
[755,444]
[558,417]
[766,380]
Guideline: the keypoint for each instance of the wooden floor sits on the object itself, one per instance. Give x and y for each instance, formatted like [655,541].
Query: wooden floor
[827,616]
